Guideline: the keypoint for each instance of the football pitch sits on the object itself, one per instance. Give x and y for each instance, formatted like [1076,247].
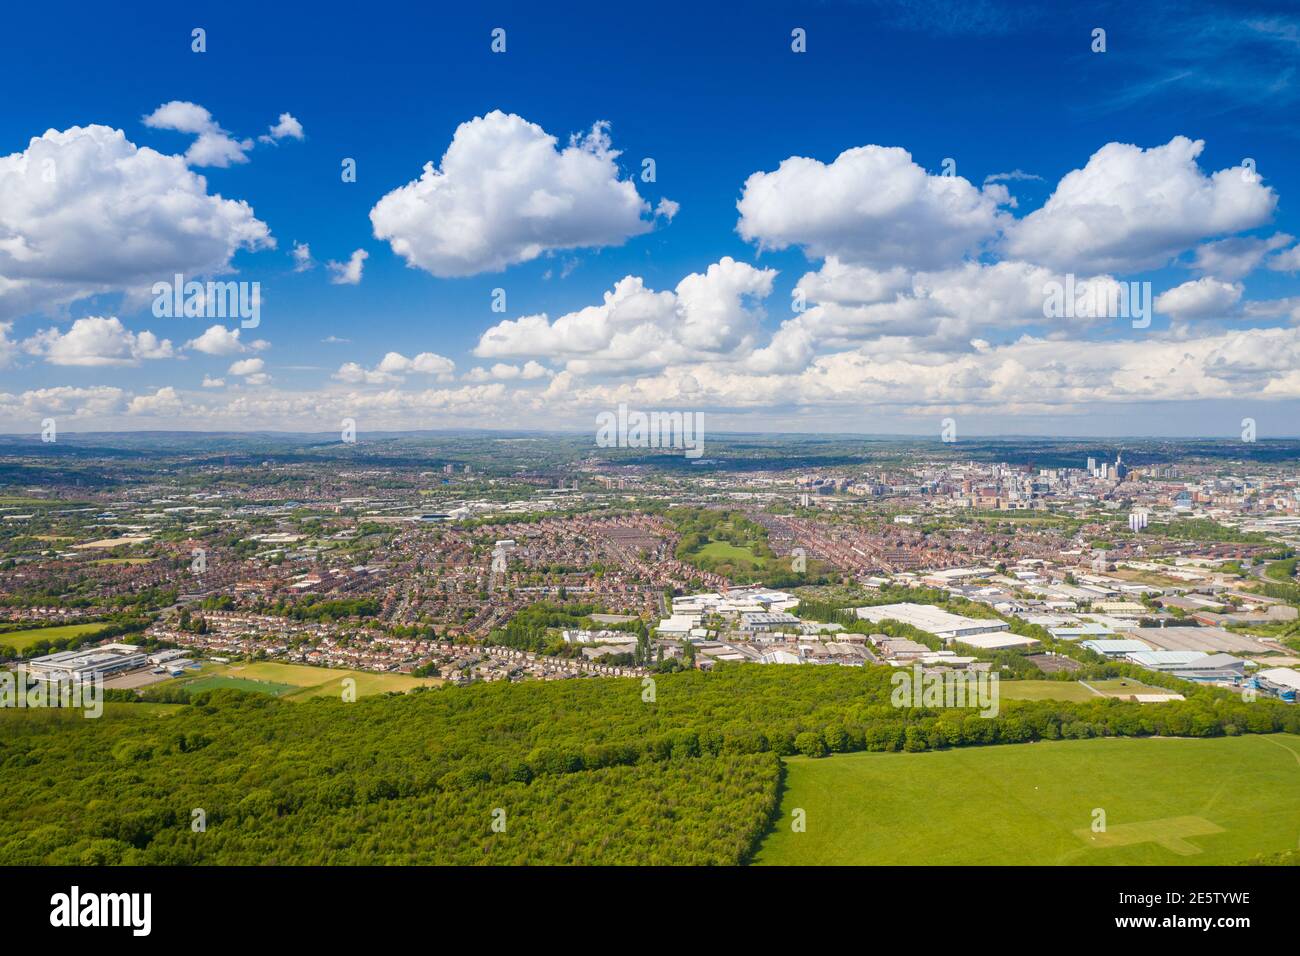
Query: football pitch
[1162,801]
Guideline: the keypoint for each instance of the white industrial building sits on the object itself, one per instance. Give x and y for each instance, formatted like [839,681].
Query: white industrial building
[932,620]
[87,664]
[1191,665]
[1115,648]
[1281,677]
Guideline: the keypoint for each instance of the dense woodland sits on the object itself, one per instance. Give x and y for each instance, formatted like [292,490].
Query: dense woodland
[596,770]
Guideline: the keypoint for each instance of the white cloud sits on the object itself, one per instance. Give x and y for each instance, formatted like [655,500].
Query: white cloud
[1237,257]
[219,340]
[1130,209]
[394,366]
[1200,299]
[873,206]
[709,313]
[71,400]
[348,273]
[8,347]
[1016,175]
[1286,308]
[1286,261]
[210,382]
[85,211]
[96,340]
[165,401]
[846,305]
[302,260]
[505,193]
[213,147]
[286,128]
[251,370]
[501,371]
[1031,376]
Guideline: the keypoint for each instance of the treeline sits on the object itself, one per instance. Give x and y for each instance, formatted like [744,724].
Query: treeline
[590,770]
[324,609]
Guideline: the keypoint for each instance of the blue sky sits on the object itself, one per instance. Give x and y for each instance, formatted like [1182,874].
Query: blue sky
[714,96]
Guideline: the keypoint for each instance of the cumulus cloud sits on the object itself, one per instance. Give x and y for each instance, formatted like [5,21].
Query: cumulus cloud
[502,371]
[506,193]
[1286,261]
[85,211]
[286,128]
[709,313]
[251,370]
[1237,257]
[302,260]
[394,366]
[1200,299]
[98,400]
[219,340]
[1131,208]
[845,305]
[213,146]
[348,273]
[96,340]
[1266,309]
[667,209]
[872,206]
[1032,375]
[8,347]
[165,401]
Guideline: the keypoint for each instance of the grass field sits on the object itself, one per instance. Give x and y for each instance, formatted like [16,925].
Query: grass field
[1167,801]
[293,681]
[217,682]
[726,551]
[1124,686]
[1043,690]
[21,640]
[1072,690]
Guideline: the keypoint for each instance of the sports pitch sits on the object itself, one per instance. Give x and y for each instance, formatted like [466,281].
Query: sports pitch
[1166,801]
[294,681]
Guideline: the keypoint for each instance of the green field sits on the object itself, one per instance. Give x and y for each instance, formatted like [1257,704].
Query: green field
[1124,686]
[1043,690]
[726,551]
[1167,801]
[1072,690]
[293,681]
[239,683]
[21,640]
